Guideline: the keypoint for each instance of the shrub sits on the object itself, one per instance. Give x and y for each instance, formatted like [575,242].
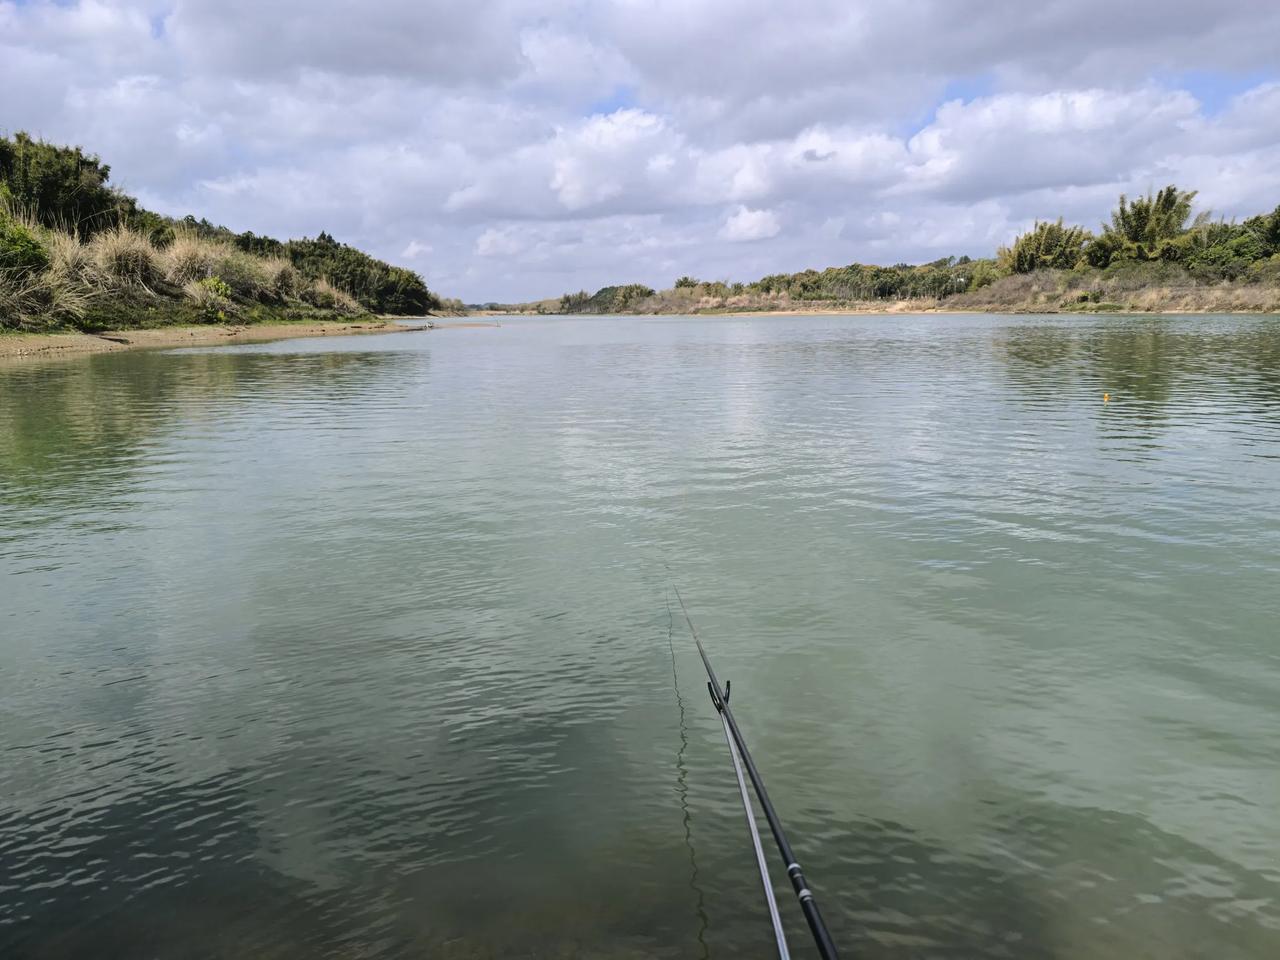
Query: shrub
[160,230]
[215,286]
[1265,271]
[242,272]
[1101,250]
[1266,228]
[258,246]
[125,257]
[1226,260]
[20,246]
[193,257]
[983,273]
[211,296]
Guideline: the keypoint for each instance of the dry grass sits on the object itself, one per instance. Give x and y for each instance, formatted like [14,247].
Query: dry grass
[48,291]
[120,271]
[325,295]
[20,214]
[125,258]
[1144,288]
[190,257]
[210,295]
[39,301]
[69,258]
[282,278]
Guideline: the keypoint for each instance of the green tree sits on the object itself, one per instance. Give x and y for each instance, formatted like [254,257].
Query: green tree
[1048,244]
[1216,250]
[377,285]
[62,186]
[1146,228]
[1266,227]
[574,302]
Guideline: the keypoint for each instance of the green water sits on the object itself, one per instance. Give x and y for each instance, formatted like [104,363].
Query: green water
[360,647]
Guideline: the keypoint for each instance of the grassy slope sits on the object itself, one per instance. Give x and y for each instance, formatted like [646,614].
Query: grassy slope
[77,253]
[52,280]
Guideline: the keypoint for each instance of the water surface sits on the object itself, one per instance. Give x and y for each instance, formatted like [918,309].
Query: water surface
[362,647]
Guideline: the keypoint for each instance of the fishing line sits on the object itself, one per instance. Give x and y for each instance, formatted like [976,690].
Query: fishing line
[682,773]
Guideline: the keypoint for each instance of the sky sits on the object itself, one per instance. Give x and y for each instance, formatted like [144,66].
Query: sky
[514,151]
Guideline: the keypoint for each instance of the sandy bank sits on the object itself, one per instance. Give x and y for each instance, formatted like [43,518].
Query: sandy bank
[73,344]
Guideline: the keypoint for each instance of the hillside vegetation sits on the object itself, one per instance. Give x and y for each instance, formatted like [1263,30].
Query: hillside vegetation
[77,253]
[1151,255]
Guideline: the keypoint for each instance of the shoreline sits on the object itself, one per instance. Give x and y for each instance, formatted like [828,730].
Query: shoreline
[22,345]
[899,308]
[959,312]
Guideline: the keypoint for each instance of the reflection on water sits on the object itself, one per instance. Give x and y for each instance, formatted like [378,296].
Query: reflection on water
[360,647]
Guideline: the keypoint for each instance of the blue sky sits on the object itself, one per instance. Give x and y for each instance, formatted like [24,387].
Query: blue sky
[1216,89]
[512,150]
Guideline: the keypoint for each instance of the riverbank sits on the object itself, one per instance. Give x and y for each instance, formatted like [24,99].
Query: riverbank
[1169,306]
[15,345]
[1045,291]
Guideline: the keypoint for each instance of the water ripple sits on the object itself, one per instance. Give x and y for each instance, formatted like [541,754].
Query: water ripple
[358,646]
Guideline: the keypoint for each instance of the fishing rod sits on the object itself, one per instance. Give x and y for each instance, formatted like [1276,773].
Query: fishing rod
[784,952]
[738,749]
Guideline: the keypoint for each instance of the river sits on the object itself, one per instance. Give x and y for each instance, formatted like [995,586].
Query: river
[364,647]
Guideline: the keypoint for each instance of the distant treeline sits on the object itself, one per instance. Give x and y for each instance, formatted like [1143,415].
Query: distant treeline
[52,196]
[1152,236]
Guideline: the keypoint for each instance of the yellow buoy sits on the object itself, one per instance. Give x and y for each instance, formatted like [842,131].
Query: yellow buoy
[1106,398]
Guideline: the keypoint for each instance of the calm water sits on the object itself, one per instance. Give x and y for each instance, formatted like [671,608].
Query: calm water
[360,647]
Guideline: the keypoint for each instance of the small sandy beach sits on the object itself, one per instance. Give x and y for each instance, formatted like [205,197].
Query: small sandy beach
[73,344]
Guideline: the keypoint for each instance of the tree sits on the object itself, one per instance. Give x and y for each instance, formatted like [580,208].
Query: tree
[61,186]
[376,284]
[1144,228]
[605,300]
[1266,227]
[1047,245]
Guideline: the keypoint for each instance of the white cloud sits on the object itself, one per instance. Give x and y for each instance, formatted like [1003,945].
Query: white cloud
[602,157]
[415,249]
[512,149]
[436,40]
[561,62]
[500,243]
[747,224]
